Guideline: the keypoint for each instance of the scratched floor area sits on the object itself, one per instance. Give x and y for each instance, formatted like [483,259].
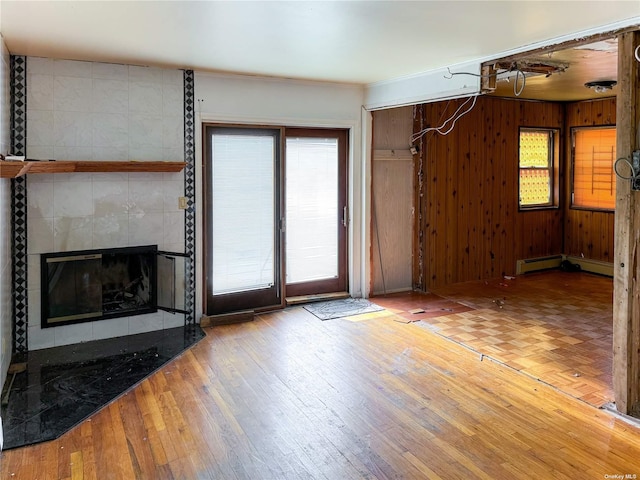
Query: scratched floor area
[554,326]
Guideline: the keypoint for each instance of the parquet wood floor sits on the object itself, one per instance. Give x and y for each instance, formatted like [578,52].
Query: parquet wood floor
[554,326]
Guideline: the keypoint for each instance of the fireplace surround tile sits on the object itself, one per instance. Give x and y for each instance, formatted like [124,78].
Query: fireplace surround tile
[72,334]
[41,127]
[72,68]
[111,197]
[146,228]
[72,233]
[109,154]
[110,95]
[72,94]
[41,66]
[110,229]
[113,327]
[110,71]
[146,97]
[39,338]
[148,196]
[172,320]
[70,198]
[70,129]
[172,100]
[78,217]
[146,323]
[40,204]
[40,234]
[146,74]
[40,94]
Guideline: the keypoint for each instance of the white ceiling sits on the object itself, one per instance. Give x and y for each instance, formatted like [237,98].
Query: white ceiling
[344,41]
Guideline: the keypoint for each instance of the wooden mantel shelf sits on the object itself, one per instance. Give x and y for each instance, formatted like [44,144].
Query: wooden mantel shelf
[17,169]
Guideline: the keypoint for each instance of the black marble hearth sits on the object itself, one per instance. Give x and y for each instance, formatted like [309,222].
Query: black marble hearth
[64,385]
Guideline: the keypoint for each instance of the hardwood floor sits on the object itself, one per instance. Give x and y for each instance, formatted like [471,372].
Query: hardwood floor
[554,326]
[289,396]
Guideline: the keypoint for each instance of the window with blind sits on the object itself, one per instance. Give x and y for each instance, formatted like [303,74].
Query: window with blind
[538,150]
[243,194]
[242,217]
[594,181]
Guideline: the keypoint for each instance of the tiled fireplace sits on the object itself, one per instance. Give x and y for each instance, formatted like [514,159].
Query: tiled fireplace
[96,112]
[99,112]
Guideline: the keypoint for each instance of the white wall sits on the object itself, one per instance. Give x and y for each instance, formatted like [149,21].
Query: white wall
[97,111]
[424,87]
[271,101]
[6,308]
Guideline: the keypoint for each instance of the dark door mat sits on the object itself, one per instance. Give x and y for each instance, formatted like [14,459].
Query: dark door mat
[62,386]
[342,308]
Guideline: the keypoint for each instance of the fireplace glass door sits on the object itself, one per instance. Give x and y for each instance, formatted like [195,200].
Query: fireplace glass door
[172,281]
[74,288]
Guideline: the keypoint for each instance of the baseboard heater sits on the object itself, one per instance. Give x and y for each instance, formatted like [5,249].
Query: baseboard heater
[554,261]
[537,264]
[592,266]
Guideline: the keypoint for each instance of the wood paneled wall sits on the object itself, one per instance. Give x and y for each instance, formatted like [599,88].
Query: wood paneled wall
[468,226]
[588,233]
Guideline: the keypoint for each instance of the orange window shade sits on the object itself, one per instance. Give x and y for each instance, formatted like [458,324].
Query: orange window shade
[594,181]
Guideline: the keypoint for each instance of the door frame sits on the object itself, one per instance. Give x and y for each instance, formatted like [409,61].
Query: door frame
[359,129]
[237,301]
[341,283]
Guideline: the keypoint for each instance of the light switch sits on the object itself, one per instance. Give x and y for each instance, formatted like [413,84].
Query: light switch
[182,203]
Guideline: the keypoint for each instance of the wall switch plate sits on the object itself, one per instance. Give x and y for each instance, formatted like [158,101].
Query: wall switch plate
[182,203]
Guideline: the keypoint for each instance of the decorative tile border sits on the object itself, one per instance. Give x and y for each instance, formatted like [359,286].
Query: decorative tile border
[190,194]
[19,203]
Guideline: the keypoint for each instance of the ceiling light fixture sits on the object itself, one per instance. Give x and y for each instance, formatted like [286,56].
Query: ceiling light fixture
[601,86]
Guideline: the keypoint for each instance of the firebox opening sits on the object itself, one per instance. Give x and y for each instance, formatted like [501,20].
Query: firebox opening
[93,285]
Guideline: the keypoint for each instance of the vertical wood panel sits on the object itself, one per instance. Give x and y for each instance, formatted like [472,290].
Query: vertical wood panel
[473,228]
[626,305]
[588,233]
[392,222]
[392,201]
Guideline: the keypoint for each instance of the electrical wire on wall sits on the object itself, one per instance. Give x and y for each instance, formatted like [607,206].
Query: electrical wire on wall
[420,136]
[445,128]
[517,91]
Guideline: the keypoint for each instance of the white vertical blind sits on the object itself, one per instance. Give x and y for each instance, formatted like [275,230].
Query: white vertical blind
[312,209]
[243,212]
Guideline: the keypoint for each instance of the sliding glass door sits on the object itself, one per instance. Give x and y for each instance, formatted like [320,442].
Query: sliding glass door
[243,212]
[251,238]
